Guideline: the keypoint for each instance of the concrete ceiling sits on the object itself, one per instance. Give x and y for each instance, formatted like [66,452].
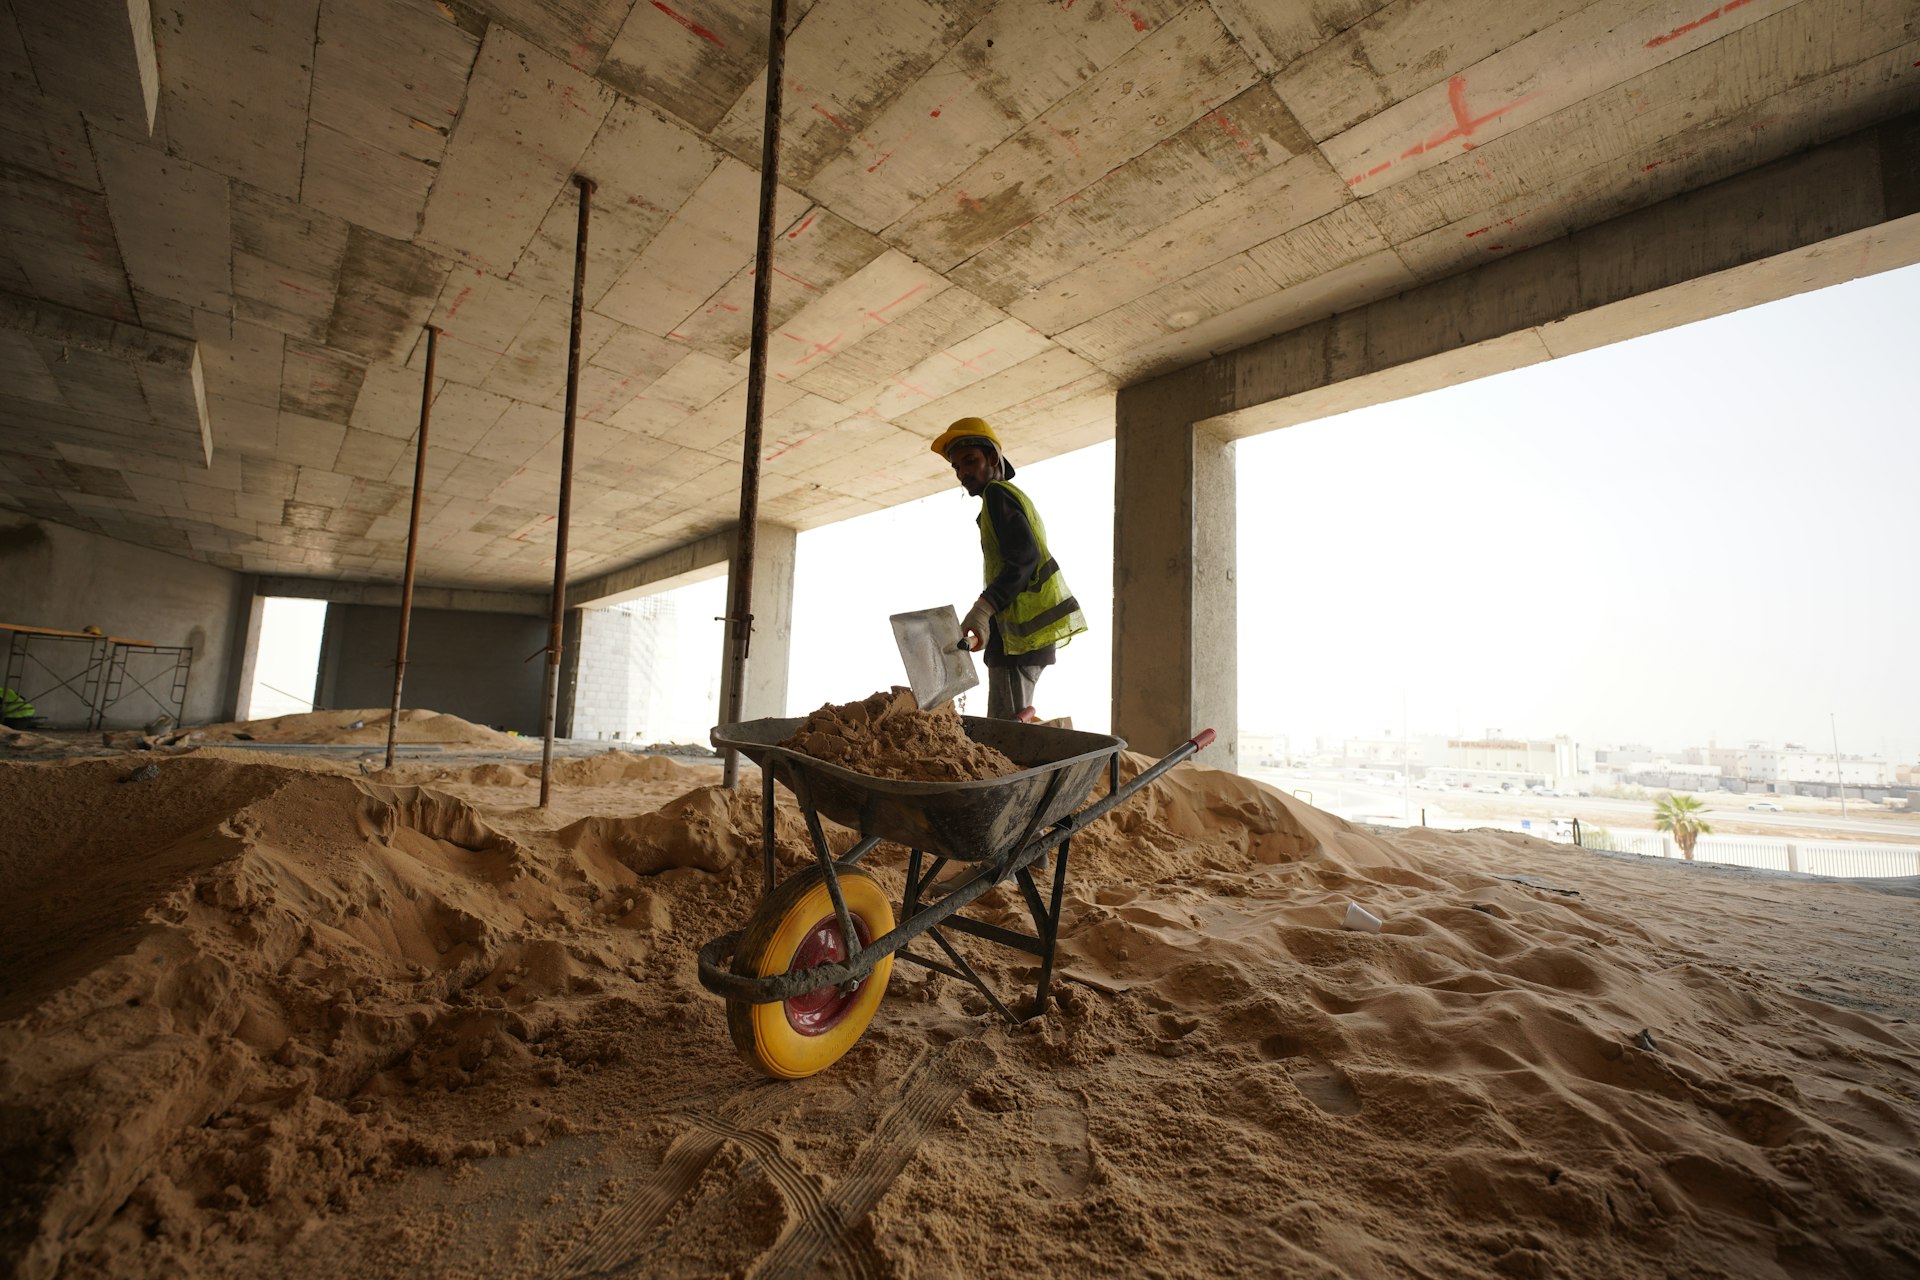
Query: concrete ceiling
[224,230]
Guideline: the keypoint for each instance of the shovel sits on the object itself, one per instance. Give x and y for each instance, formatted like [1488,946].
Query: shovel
[938,670]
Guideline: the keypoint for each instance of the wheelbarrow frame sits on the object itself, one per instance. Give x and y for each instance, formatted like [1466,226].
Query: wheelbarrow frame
[879,809]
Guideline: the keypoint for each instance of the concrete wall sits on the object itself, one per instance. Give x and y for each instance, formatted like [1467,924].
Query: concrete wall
[603,673]
[63,578]
[472,665]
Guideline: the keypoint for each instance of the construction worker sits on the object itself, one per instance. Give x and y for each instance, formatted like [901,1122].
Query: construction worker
[1026,608]
[15,711]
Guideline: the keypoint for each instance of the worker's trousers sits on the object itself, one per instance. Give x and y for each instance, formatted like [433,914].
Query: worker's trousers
[1010,689]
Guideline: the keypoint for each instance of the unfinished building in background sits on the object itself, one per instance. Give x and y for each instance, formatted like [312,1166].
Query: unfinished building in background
[1177,224]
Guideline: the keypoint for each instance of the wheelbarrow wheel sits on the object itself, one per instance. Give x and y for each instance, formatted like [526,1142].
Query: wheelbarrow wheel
[794,928]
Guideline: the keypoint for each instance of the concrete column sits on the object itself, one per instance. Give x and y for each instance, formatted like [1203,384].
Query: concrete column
[1175,642]
[775,548]
[249,627]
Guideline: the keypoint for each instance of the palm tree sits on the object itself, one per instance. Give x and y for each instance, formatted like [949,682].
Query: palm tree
[1681,816]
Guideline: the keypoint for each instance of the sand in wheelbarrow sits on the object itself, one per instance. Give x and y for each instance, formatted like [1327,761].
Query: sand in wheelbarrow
[888,736]
[264,1017]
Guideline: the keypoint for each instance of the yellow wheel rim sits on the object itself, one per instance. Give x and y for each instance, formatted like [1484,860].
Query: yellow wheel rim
[794,928]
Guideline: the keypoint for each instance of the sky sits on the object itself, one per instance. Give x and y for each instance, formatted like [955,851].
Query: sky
[1705,534]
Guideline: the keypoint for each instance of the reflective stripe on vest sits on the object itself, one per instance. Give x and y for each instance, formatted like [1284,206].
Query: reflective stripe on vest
[1045,612]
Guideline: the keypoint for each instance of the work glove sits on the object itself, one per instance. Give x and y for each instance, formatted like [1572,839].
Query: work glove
[973,627]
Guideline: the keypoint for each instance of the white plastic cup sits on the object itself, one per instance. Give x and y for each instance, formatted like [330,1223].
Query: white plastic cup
[1358,917]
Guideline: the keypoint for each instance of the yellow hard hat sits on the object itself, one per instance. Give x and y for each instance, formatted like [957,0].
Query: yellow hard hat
[971,429]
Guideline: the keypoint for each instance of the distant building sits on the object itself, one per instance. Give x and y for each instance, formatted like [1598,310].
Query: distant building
[1512,758]
[1265,750]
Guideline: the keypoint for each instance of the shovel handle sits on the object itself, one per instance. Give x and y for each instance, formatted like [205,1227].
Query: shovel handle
[1202,740]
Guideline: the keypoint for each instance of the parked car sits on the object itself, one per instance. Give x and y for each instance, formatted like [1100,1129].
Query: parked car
[1765,806]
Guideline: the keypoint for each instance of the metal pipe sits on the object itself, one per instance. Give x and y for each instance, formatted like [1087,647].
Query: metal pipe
[740,584]
[413,539]
[556,621]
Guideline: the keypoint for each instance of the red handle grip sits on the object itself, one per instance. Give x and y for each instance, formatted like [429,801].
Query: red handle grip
[1202,740]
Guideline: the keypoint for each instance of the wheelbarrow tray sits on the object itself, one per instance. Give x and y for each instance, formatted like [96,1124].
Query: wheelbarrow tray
[972,820]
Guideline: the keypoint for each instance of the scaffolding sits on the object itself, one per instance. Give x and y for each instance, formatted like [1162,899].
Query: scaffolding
[94,673]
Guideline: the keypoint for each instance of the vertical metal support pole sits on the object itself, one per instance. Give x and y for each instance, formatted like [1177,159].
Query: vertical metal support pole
[766,823]
[740,584]
[413,539]
[557,618]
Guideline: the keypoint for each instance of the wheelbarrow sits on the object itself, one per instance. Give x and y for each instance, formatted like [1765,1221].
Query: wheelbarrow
[798,994]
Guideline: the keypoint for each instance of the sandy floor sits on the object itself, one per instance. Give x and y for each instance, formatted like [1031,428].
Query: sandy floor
[268,1016]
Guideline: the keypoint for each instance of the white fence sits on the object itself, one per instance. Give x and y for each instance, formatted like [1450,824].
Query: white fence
[1813,857]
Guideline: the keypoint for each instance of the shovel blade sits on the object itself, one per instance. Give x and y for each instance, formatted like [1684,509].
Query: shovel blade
[938,670]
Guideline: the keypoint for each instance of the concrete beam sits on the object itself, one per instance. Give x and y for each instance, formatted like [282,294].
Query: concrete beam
[693,562]
[1174,603]
[1827,215]
[95,333]
[388,594]
[98,55]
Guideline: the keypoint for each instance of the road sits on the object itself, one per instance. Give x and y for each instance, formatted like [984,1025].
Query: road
[1334,793]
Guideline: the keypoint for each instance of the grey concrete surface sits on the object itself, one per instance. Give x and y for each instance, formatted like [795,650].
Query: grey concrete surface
[226,223]
[1175,629]
[61,578]
[472,665]
[1009,208]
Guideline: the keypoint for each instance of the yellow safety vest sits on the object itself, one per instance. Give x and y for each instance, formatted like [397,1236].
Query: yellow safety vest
[1045,611]
[14,707]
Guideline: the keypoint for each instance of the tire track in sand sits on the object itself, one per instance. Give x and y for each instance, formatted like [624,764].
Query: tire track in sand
[616,1241]
[943,1076]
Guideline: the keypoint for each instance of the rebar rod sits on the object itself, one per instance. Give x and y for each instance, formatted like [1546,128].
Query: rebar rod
[413,539]
[556,622]
[740,583]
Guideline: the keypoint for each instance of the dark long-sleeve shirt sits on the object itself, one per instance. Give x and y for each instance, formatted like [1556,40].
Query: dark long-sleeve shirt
[1019,557]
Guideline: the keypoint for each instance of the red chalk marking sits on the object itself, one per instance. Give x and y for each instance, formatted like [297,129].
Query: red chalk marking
[880,316]
[1073,143]
[884,157]
[297,288]
[968,201]
[721,306]
[910,387]
[691,25]
[796,279]
[821,349]
[1139,23]
[969,364]
[1669,160]
[1464,126]
[1697,23]
[838,122]
[803,226]
[788,446]
[1239,140]
[460,300]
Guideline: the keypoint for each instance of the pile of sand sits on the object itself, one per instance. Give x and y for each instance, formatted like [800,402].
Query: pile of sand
[888,736]
[267,1019]
[363,727]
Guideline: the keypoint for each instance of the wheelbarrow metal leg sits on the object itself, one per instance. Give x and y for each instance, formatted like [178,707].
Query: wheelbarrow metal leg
[824,853]
[1047,921]
[766,821]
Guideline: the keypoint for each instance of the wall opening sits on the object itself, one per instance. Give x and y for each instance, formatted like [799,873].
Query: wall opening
[649,669]
[287,669]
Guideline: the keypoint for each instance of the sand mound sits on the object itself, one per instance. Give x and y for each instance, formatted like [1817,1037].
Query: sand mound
[888,736]
[263,1020]
[356,728]
[610,768]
